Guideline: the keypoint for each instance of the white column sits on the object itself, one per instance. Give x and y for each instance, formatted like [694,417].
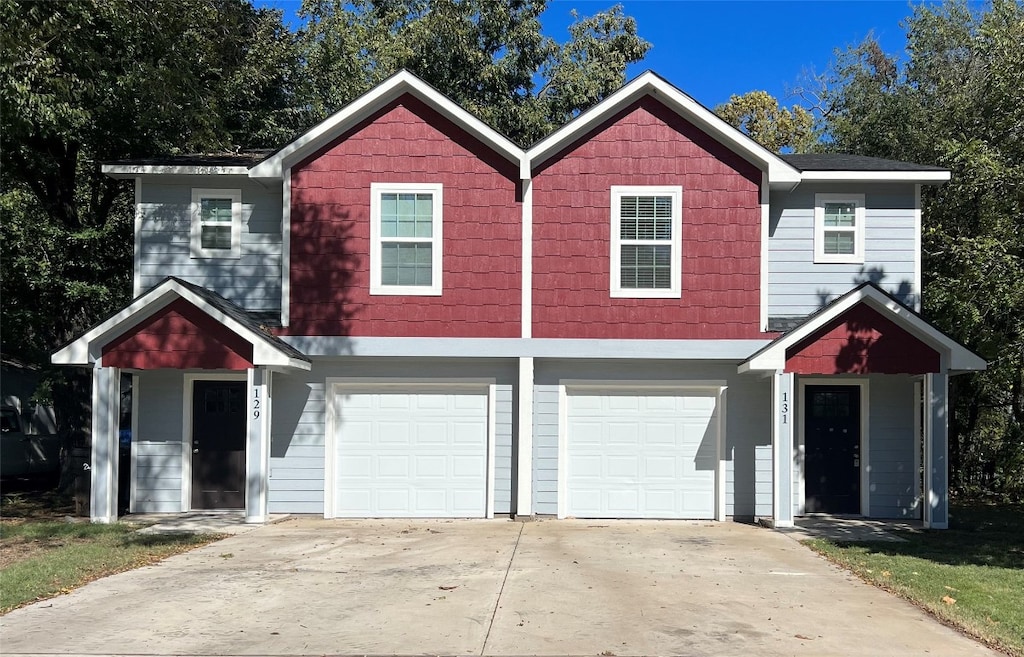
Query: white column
[524,462]
[782,448]
[106,404]
[936,451]
[257,444]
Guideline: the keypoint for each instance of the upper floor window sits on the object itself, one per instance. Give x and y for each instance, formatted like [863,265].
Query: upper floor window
[405,236]
[216,223]
[646,242]
[839,228]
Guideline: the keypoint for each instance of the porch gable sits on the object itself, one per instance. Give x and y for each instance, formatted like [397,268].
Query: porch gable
[862,341]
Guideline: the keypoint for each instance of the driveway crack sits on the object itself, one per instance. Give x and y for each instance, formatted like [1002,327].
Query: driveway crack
[501,591]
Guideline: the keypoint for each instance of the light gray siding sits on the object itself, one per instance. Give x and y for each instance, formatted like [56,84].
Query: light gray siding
[157,474]
[797,286]
[892,478]
[298,439]
[253,281]
[748,487]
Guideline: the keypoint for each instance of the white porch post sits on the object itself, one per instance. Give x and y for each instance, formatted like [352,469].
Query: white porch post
[524,462]
[936,451]
[782,448]
[106,406]
[257,446]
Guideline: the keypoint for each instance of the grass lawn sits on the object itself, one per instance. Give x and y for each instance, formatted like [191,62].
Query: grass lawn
[43,555]
[971,576]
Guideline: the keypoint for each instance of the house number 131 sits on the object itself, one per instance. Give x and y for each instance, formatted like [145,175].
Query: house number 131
[785,407]
[256,403]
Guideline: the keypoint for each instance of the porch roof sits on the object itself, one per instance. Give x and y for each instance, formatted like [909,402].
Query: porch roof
[955,358]
[267,350]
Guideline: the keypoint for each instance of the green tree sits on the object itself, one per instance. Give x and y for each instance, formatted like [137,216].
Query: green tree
[85,82]
[956,102]
[758,114]
[489,56]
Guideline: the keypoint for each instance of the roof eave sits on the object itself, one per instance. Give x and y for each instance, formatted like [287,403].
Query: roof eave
[780,173]
[919,177]
[128,171]
[401,83]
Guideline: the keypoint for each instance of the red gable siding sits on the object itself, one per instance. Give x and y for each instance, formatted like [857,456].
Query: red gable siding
[406,142]
[179,336]
[861,341]
[647,144]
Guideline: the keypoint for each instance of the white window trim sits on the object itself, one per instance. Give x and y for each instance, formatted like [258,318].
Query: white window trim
[675,289]
[857,257]
[195,213]
[376,286]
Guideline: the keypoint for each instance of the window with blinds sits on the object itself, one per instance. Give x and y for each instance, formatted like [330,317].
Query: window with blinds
[645,256]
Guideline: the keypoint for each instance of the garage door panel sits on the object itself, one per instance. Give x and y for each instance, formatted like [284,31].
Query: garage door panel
[635,454]
[416,452]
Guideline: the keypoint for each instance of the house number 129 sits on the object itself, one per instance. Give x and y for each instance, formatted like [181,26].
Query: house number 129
[785,407]
[256,403]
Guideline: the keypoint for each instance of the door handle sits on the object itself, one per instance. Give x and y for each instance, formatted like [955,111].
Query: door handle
[195,451]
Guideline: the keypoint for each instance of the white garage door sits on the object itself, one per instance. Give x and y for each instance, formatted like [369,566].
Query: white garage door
[413,452]
[641,454]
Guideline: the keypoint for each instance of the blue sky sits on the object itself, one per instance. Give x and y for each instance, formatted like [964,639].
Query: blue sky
[713,49]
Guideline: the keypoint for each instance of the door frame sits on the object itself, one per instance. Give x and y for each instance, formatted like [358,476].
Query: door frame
[568,386]
[865,406]
[334,385]
[186,438]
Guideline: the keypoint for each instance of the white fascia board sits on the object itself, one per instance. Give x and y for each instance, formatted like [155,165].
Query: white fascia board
[133,170]
[401,83]
[774,357]
[922,177]
[780,173]
[80,352]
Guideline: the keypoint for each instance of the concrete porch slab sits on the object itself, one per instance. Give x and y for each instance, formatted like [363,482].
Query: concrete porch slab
[199,522]
[853,529]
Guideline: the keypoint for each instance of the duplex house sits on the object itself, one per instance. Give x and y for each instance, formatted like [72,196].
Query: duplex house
[646,314]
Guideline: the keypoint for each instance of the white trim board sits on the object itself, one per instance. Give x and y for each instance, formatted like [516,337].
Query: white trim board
[333,385]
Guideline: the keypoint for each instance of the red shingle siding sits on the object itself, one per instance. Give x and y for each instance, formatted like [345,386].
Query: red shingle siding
[179,336]
[647,144]
[861,341]
[406,142]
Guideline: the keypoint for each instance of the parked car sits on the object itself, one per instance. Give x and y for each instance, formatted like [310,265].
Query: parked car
[25,454]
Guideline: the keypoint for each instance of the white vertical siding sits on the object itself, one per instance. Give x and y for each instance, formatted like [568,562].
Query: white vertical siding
[797,286]
[253,281]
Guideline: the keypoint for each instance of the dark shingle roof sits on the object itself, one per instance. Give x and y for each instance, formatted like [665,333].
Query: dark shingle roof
[841,162]
[249,320]
[242,159]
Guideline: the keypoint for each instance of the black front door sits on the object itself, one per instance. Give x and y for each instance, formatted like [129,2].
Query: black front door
[832,449]
[218,445]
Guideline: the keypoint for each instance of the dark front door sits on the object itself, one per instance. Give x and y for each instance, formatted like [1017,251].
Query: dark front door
[832,449]
[218,445]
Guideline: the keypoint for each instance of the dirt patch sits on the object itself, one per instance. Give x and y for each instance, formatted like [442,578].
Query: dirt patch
[17,550]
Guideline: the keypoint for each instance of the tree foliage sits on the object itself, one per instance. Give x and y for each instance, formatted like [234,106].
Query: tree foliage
[758,114]
[488,56]
[956,102]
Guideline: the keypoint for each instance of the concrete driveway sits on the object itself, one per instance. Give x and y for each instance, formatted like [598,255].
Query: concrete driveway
[310,586]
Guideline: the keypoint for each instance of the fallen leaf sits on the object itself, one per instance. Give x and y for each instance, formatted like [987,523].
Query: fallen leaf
[886,573]
[805,638]
[448,588]
[948,600]
[949,588]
